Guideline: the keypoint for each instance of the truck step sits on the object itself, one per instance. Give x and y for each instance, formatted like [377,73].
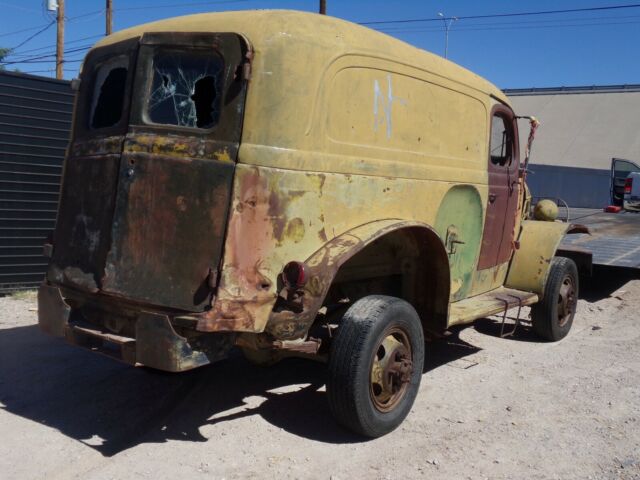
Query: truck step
[491,303]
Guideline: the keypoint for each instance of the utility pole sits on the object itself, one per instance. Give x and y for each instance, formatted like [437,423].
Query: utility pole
[323,7]
[60,40]
[109,17]
[447,27]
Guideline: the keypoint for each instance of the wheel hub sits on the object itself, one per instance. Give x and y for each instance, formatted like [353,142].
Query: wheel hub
[391,370]
[566,301]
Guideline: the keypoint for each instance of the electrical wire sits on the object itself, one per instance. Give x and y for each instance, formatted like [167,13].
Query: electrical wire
[33,36]
[30,51]
[40,57]
[25,9]
[569,25]
[502,15]
[48,24]
[555,22]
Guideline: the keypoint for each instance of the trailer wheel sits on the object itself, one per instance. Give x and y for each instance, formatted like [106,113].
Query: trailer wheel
[553,316]
[375,365]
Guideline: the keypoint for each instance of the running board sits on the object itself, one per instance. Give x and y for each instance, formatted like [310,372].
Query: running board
[491,303]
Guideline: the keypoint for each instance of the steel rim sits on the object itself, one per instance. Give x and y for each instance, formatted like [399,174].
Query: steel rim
[391,370]
[567,300]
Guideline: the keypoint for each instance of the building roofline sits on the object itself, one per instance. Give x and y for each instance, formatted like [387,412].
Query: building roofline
[514,92]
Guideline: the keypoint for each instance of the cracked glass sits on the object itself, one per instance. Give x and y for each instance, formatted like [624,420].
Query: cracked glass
[185,89]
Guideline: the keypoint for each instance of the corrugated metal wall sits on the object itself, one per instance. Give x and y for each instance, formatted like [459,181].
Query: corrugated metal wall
[35,121]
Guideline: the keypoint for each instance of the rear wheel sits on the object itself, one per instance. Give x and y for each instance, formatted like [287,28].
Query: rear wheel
[375,365]
[553,316]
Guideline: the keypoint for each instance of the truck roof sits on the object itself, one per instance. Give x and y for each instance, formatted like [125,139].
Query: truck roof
[266,30]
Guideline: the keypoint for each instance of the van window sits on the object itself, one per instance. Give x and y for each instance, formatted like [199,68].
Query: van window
[107,101]
[500,147]
[185,89]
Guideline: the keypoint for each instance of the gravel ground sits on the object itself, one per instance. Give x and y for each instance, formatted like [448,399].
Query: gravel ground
[488,408]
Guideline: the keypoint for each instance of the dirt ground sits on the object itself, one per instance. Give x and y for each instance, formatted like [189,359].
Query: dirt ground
[488,408]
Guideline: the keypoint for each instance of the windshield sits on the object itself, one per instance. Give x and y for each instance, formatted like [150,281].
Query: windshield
[185,89]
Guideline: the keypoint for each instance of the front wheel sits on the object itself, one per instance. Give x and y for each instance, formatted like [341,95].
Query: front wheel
[553,316]
[375,365]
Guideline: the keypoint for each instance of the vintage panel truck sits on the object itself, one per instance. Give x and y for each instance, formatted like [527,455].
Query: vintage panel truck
[293,184]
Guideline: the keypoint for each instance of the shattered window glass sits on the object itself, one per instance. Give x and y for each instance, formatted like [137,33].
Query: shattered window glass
[108,92]
[186,89]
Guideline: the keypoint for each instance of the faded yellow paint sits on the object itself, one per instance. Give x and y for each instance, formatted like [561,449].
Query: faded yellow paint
[490,303]
[223,155]
[530,264]
[343,127]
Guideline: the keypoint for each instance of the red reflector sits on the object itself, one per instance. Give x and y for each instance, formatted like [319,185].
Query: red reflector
[294,274]
[612,209]
[627,185]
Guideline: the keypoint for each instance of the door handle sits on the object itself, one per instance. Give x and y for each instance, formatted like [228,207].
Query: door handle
[492,197]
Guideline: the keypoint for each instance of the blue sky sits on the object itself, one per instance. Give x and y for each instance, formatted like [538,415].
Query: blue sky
[584,48]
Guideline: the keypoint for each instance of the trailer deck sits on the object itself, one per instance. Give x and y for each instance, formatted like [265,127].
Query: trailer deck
[614,238]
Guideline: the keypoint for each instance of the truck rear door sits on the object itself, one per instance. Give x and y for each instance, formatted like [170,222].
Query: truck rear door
[162,215]
[620,170]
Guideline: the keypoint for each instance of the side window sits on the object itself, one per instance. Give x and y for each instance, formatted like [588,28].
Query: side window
[107,101]
[501,141]
[186,89]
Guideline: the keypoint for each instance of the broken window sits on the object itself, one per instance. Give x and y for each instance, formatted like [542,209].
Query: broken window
[108,93]
[186,89]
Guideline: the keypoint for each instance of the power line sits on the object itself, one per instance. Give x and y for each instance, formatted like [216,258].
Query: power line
[471,28]
[558,22]
[4,4]
[40,57]
[501,15]
[33,36]
[28,29]
[22,30]
[23,52]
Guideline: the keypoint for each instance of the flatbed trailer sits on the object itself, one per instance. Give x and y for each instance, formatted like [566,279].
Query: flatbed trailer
[613,238]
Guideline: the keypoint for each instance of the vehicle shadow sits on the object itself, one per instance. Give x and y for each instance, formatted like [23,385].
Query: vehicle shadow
[492,326]
[447,349]
[605,281]
[602,284]
[112,407]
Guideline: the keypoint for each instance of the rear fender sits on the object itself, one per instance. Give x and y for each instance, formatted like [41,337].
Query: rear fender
[324,264]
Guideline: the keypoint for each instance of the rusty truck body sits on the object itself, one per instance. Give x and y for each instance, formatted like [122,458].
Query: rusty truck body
[293,184]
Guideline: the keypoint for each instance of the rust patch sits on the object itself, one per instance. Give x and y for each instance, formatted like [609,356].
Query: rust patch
[179,147]
[295,230]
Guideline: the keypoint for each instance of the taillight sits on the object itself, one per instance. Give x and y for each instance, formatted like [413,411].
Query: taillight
[627,185]
[294,275]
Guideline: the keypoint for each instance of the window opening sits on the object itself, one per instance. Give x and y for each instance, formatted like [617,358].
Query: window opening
[623,168]
[185,90]
[500,147]
[108,94]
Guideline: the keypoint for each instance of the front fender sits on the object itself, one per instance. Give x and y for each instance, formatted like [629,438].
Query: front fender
[538,243]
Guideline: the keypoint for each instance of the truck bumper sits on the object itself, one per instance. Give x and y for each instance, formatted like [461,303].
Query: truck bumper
[632,204]
[156,343]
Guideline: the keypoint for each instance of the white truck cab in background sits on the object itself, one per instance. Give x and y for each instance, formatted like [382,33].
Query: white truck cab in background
[632,192]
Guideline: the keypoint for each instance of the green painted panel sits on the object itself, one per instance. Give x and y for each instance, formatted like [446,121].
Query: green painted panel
[460,219]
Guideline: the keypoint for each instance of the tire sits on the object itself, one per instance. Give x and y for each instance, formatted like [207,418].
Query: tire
[376,338]
[552,317]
